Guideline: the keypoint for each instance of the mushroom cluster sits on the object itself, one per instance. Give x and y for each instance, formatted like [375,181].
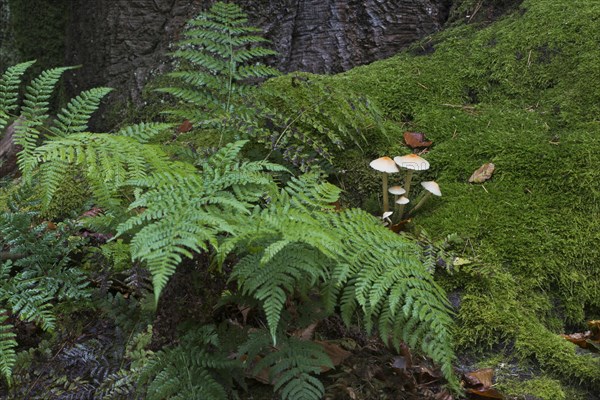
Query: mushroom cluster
[409,163]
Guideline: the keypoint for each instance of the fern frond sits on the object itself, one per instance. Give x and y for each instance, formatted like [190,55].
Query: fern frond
[9,90]
[143,132]
[34,113]
[8,344]
[75,117]
[188,371]
[291,365]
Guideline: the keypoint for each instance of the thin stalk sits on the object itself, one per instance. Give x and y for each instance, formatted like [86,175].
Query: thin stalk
[407,181]
[420,203]
[386,204]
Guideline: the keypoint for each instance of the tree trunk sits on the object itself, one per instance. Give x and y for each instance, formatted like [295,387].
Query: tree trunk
[121,43]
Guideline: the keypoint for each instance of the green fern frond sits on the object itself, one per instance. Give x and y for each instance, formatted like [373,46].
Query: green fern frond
[8,344]
[9,90]
[291,365]
[218,61]
[75,117]
[34,113]
[189,371]
[144,132]
[185,213]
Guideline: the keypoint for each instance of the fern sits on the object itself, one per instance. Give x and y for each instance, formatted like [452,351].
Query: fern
[190,370]
[185,213]
[359,265]
[291,365]
[8,344]
[34,114]
[217,59]
[310,123]
[36,279]
[9,91]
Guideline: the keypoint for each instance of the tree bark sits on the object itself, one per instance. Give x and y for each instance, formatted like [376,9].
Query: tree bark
[121,43]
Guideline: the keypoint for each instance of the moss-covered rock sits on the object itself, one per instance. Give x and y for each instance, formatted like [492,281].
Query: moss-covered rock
[523,93]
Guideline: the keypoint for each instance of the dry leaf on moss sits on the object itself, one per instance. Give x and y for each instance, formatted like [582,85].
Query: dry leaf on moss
[483,174]
[479,384]
[415,140]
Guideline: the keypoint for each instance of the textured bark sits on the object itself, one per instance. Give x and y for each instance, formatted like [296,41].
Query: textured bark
[120,43]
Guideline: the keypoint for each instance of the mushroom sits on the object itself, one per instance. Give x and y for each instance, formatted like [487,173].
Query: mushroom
[396,191]
[411,162]
[432,188]
[403,201]
[386,218]
[385,165]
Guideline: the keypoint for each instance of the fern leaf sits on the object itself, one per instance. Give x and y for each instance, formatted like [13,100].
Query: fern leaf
[8,344]
[9,90]
[75,117]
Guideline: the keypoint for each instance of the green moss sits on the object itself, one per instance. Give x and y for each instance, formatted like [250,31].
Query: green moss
[524,93]
[543,388]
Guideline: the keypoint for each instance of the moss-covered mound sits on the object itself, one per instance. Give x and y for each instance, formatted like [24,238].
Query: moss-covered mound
[523,93]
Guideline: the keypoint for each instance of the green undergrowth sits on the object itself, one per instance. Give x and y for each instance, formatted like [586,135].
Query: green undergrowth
[523,93]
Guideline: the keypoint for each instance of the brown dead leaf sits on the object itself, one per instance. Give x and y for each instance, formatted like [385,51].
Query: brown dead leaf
[415,140]
[480,378]
[587,340]
[400,226]
[186,126]
[479,384]
[580,339]
[262,376]
[483,174]
[306,333]
[335,353]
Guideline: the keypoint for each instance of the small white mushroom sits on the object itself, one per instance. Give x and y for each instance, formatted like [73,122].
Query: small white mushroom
[386,218]
[385,165]
[411,163]
[403,200]
[431,188]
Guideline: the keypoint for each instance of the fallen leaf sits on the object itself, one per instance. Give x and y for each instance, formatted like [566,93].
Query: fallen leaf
[587,340]
[480,378]
[306,333]
[186,126]
[483,174]
[335,353]
[580,339]
[400,226]
[479,384]
[415,140]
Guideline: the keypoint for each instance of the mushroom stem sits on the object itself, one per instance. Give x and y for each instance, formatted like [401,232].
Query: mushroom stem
[420,203]
[407,180]
[386,203]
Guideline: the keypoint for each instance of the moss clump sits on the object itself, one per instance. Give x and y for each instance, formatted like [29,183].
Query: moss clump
[542,388]
[524,93]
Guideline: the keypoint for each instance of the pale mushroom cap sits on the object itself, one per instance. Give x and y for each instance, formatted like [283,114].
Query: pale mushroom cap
[387,214]
[432,188]
[402,200]
[384,164]
[397,190]
[412,161]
